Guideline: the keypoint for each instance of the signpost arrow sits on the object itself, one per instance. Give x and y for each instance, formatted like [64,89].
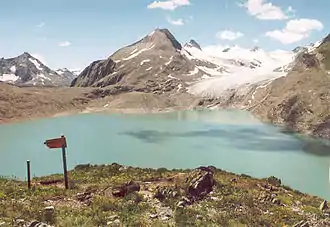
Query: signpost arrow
[60,143]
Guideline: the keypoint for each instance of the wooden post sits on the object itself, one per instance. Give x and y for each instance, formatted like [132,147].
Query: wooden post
[28,174]
[64,167]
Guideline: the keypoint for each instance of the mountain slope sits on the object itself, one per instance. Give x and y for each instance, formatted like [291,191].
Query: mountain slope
[298,99]
[27,70]
[152,64]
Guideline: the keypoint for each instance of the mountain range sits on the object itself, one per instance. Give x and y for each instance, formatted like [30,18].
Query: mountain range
[289,88]
[28,70]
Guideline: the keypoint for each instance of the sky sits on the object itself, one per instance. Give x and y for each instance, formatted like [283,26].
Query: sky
[73,33]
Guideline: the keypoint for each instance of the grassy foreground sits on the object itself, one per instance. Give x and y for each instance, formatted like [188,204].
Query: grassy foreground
[157,197]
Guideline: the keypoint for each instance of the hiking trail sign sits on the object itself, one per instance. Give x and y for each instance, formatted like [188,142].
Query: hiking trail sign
[60,143]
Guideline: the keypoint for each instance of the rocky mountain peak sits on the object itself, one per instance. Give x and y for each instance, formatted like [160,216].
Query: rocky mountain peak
[326,39]
[28,70]
[193,43]
[255,49]
[162,39]
[300,49]
[25,56]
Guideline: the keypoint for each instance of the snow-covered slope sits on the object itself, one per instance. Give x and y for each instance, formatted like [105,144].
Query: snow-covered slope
[67,74]
[28,70]
[234,67]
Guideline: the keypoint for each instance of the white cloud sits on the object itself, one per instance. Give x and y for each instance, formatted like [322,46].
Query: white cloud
[178,22]
[295,30]
[41,24]
[64,44]
[169,4]
[229,35]
[264,10]
[256,40]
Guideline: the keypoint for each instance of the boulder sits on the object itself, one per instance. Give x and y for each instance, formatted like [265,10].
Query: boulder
[200,183]
[85,196]
[126,189]
[184,202]
[49,213]
[324,205]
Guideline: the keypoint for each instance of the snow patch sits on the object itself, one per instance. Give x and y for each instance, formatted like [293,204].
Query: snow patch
[138,53]
[144,61]
[172,77]
[13,69]
[117,61]
[148,69]
[36,63]
[179,87]
[193,72]
[134,51]
[206,76]
[169,62]
[42,77]
[9,78]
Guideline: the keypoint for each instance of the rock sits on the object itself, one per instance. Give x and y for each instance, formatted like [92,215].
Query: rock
[301,224]
[165,193]
[200,183]
[276,201]
[113,217]
[199,217]
[305,224]
[152,216]
[234,180]
[126,189]
[34,224]
[19,222]
[83,197]
[324,205]
[184,202]
[49,213]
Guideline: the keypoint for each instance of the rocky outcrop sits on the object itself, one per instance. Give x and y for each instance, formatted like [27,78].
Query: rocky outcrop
[94,73]
[305,61]
[126,189]
[193,43]
[201,183]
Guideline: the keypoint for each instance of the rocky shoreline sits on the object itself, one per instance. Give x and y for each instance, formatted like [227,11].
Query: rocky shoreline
[116,195]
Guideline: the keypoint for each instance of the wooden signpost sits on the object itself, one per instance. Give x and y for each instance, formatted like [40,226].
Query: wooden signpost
[28,174]
[60,143]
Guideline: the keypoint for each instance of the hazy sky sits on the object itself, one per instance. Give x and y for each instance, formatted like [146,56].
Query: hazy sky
[72,33]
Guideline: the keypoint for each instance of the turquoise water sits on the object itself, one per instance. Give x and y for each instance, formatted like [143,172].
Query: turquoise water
[231,140]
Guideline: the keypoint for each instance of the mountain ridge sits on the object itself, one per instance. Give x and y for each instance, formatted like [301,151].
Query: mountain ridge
[25,69]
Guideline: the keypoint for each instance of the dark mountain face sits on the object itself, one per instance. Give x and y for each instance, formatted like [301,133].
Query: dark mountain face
[153,64]
[326,39]
[193,43]
[27,70]
[96,71]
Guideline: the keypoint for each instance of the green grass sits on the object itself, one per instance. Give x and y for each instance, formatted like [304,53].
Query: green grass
[234,202]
